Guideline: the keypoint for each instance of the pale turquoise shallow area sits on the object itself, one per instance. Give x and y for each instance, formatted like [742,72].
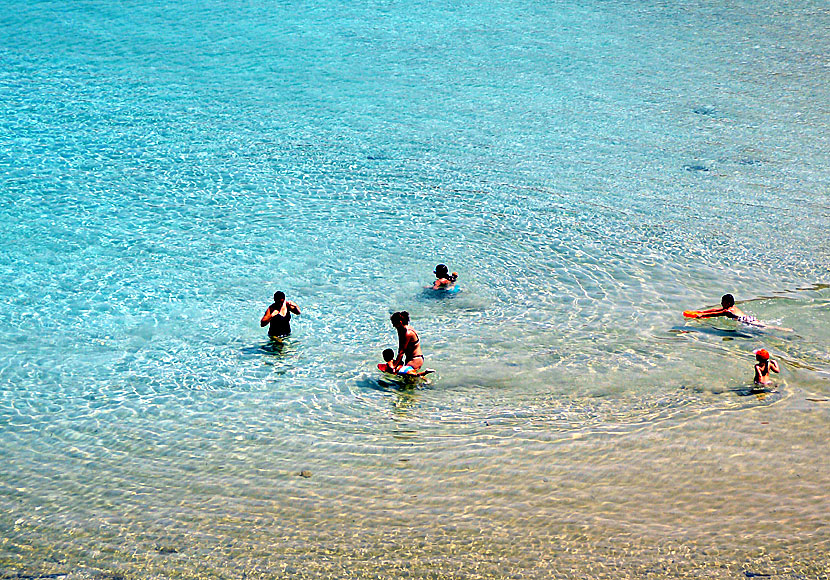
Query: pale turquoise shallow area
[590,170]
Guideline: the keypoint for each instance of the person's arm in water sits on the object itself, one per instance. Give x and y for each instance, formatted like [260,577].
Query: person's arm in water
[292,307]
[403,342]
[713,312]
[266,318]
[773,366]
[732,312]
[399,358]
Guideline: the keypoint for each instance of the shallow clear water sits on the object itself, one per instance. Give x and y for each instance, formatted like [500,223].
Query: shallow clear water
[589,169]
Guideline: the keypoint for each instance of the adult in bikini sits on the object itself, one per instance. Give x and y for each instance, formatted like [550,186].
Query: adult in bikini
[410,357]
[278,316]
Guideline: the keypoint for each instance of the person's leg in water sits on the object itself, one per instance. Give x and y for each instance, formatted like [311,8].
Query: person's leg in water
[414,367]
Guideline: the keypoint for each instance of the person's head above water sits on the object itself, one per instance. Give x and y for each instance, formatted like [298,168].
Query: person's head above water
[388,354]
[279,296]
[727,301]
[761,354]
[443,273]
[400,319]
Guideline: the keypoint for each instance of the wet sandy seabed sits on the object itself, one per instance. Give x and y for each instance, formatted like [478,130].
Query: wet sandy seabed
[740,493]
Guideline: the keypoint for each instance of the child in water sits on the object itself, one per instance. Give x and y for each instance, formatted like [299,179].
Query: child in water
[405,370]
[443,277]
[763,367]
[389,365]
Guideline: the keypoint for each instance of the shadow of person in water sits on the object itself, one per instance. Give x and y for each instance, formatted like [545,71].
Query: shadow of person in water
[725,333]
[274,346]
[276,352]
[430,294]
[768,393]
[407,392]
[277,347]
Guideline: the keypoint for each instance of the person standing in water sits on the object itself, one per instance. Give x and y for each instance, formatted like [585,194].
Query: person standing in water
[443,278]
[410,358]
[278,316]
[763,367]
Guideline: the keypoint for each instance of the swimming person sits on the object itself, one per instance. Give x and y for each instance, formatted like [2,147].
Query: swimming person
[278,315]
[443,277]
[728,310]
[409,356]
[764,366]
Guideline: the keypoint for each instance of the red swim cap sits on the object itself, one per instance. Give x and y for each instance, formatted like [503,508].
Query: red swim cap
[761,353]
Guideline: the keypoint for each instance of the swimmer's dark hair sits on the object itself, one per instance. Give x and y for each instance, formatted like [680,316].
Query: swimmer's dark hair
[278,296]
[727,301]
[388,354]
[401,317]
[442,271]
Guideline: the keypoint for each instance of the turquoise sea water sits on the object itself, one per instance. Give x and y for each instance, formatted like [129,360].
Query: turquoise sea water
[590,169]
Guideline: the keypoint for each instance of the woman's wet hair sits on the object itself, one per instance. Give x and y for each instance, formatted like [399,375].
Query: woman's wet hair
[401,318]
[727,301]
[279,296]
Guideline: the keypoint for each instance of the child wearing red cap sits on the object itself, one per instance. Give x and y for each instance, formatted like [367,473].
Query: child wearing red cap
[763,367]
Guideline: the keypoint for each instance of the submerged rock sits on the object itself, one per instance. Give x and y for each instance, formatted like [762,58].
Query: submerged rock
[695,168]
[707,111]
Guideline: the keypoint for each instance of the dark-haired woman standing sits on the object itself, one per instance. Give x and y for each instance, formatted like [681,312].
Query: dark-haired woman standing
[278,316]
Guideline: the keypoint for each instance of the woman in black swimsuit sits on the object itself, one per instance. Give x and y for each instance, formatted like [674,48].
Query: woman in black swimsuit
[409,343]
[278,315]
